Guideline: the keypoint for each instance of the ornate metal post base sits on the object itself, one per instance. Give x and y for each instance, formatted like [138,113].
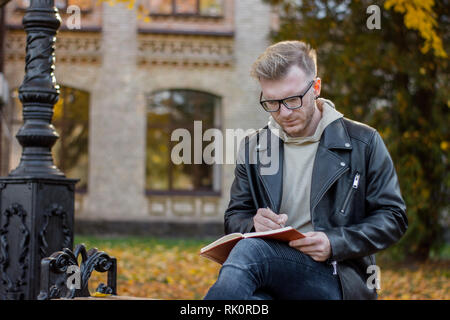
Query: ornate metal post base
[36,219]
[37,200]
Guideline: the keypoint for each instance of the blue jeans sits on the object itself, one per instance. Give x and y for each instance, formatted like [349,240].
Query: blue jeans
[268,269]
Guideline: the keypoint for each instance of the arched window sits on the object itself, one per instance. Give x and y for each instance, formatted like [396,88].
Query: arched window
[169,110]
[71,122]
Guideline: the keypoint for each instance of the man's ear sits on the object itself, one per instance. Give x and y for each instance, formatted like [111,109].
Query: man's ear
[317,86]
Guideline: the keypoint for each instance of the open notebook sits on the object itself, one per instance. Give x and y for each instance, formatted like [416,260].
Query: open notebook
[219,250]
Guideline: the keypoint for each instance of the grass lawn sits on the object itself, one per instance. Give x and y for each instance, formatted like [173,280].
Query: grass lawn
[172,269]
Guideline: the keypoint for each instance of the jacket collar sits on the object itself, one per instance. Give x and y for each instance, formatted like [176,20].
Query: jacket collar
[335,136]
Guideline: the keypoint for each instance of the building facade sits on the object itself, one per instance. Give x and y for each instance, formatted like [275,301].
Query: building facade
[127,83]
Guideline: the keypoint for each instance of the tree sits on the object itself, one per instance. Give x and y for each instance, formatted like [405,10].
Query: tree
[395,79]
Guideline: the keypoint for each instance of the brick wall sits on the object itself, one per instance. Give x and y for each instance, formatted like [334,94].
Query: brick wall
[124,60]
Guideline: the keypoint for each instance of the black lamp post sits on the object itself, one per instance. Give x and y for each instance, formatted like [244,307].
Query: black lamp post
[37,200]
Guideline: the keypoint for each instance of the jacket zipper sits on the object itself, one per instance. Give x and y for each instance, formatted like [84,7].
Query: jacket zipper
[344,207]
[351,191]
[334,264]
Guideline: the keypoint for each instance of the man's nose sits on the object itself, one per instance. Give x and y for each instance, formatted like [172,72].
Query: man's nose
[284,112]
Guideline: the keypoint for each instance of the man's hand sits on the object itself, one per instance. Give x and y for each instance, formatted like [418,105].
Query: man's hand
[265,220]
[315,244]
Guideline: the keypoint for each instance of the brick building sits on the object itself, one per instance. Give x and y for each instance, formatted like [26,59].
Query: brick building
[126,84]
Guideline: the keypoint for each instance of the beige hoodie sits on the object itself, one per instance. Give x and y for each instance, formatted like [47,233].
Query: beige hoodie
[299,155]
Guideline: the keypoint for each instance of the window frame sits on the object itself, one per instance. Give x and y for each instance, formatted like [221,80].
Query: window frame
[197,14]
[66,90]
[189,126]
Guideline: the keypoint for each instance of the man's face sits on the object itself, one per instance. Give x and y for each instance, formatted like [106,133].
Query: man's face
[296,123]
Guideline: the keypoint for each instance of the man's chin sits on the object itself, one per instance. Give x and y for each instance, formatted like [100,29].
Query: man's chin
[292,131]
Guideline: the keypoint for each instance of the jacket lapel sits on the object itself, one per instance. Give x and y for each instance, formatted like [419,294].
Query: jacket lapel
[328,165]
[269,151]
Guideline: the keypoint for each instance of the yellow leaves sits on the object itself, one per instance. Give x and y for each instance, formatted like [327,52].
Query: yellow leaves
[100,295]
[178,272]
[419,15]
[131,4]
[142,12]
[416,281]
[402,103]
[386,133]
[444,145]
[411,135]
[170,280]
[58,109]
[160,272]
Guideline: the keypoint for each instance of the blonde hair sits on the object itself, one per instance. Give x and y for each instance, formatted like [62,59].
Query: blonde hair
[274,63]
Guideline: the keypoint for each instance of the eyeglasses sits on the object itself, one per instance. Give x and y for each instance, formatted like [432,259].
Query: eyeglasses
[291,103]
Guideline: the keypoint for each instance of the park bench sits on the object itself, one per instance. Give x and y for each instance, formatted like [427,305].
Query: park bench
[64,277]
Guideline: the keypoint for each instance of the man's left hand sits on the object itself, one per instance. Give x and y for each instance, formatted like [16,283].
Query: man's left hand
[315,244]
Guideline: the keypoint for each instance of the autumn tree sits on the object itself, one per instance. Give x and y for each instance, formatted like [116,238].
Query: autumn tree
[395,79]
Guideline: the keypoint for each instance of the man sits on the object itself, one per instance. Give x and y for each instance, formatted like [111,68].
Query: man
[336,183]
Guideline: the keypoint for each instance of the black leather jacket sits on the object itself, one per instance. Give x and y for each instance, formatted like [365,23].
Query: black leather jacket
[359,221]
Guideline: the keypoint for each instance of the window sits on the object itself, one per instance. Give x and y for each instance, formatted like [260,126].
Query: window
[208,8]
[173,109]
[6,128]
[71,120]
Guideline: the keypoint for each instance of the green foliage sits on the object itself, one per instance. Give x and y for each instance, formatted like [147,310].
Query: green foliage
[139,242]
[382,77]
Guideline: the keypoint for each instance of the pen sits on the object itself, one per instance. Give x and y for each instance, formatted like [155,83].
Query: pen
[281,226]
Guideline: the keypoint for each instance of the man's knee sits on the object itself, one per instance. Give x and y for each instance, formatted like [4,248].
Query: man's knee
[248,251]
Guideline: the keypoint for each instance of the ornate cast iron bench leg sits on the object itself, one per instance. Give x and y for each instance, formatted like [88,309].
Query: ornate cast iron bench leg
[62,266]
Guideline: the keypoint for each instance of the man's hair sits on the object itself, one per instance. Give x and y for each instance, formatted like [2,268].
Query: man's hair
[276,61]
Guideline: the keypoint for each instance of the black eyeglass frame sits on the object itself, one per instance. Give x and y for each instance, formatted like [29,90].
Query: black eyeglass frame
[282,101]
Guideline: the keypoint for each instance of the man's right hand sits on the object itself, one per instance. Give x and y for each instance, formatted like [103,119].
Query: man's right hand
[265,220]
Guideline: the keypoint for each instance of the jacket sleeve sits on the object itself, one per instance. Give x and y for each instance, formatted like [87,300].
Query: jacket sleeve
[385,220]
[241,208]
